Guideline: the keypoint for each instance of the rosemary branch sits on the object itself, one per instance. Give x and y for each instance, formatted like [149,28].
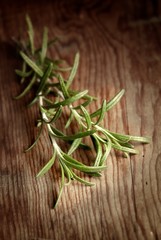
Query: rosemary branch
[45,74]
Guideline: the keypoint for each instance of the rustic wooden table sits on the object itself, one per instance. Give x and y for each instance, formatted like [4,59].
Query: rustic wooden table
[120,47]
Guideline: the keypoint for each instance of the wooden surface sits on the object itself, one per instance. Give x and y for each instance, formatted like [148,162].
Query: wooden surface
[120,47]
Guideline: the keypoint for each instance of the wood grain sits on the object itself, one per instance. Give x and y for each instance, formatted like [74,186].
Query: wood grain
[120,47]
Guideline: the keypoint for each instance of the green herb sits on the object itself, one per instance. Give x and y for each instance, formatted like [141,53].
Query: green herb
[53,94]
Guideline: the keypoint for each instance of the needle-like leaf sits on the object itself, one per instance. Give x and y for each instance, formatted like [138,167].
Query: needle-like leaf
[23,74]
[83,180]
[27,89]
[30,33]
[24,67]
[47,166]
[69,120]
[74,145]
[62,185]
[110,104]
[98,148]
[69,100]
[125,149]
[44,45]
[127,138]
[106,153]
[36,140]
[44,78]
[32,64]
[73,71]
[84,168]
[87,117]
[58,134]
[102,112]
[63,87]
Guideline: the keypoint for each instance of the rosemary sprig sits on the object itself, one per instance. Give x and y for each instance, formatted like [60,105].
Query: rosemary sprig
[41,72]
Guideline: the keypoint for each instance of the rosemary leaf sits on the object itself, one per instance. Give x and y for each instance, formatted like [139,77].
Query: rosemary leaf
[106,153]
[71,159]
[27,89]
[73,71]
[44,45]
[23,74]
[87,117]
[127,138]
[36,140]
[69,120]
[44,78]
[82,180]
[125,149]
[102,112]
[63,87]
[98,148]
[62,185]
[47,166]
[32,64]
[49,44]
[110,104]
[74,145]
[57,133]
[33,101]
[84,168]
[24,66]
[67,171]
[30,33]
[69,100]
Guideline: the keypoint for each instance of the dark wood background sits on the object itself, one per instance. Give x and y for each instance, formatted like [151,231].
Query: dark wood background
[120,47]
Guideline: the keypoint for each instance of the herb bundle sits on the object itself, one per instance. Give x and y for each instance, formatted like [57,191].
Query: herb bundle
[44,74]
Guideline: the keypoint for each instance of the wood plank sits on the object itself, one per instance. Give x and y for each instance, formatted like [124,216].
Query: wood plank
[119,45]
